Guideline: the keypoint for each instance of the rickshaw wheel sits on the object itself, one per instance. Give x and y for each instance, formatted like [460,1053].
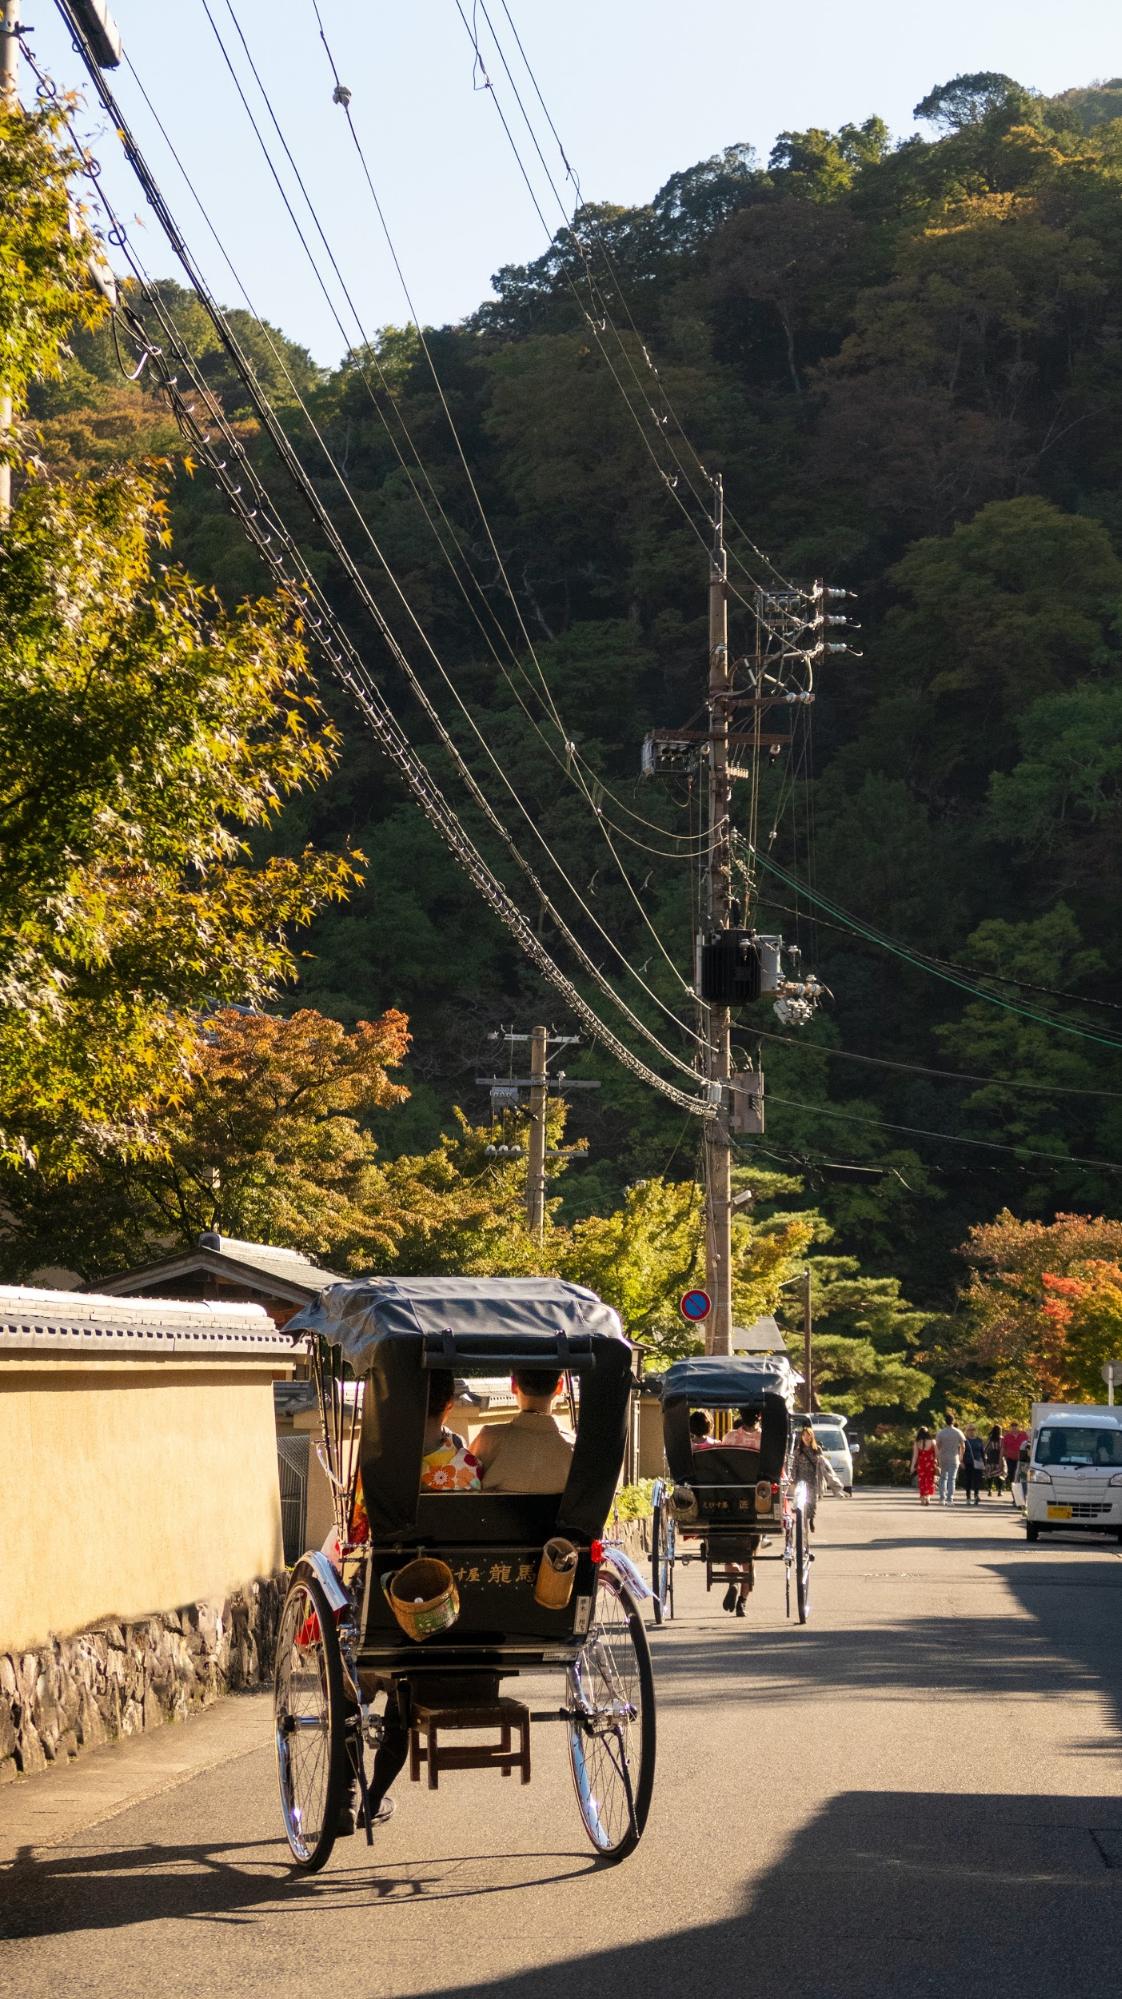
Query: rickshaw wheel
[664,1535]
[802,1565]
[309,1710]
[609,1696]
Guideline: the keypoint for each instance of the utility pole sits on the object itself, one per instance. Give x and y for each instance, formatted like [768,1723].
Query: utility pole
[506,1093]
[717,1018]
[808,1345]
[9,98]
[535,1151]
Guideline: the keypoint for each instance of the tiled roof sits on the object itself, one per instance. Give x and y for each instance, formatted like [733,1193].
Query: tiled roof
[289,1263]
[69,1322]
[283,1272]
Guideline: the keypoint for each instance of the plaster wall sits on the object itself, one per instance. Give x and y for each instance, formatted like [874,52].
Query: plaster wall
[127,1487]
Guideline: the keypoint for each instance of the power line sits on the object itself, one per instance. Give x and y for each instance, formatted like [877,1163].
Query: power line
[264,526]
[570,760]
[574,177]
[949,1137]
[920,1069]
[464,710]
[599,322]
[280,439]
[931,966]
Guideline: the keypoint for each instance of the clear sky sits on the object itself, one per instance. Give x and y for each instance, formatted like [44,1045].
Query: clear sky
[638,89]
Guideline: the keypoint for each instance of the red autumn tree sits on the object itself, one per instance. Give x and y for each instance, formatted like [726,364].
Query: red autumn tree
[1044,1304]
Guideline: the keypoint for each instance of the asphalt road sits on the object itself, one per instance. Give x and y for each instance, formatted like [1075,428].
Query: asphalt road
[919,1792]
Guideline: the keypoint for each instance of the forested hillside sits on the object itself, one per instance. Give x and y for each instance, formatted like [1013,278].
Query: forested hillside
[905,357]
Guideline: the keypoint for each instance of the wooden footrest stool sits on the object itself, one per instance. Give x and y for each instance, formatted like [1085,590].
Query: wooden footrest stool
[508,1716]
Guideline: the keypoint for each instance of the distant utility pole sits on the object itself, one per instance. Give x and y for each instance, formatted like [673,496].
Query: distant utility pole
[9,98]
[506,1093]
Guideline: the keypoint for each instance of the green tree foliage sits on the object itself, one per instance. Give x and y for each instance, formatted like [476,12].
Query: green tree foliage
[967,99]
[44,286]
[144,737]
[270,1142]
[147,740]
[865,1341]
[904,358]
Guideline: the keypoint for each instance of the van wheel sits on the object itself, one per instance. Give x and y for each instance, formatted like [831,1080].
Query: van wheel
[1032,1531]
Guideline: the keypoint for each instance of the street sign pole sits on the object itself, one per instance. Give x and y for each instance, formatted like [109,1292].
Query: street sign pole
[1112,1372]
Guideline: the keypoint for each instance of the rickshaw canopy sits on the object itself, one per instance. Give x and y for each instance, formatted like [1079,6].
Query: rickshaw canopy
[393,1330]
[515,1321]
[722,1381]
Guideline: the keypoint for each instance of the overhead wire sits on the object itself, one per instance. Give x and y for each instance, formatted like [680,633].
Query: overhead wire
[337,647]
[572,761]
[282,364]
[280,439]
[594,289]
[924,1069]
[572,175]
[933,967]
[968,971]
[565,763]
[591,320]
[950,1137]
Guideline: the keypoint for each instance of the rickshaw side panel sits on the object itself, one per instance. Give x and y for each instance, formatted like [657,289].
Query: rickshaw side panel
[493,1545]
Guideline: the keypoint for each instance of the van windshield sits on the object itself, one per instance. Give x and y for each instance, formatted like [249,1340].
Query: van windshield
[831,1439]
[1071,1446]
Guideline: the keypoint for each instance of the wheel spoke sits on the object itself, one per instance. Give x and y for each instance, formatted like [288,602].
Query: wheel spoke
[611,1739]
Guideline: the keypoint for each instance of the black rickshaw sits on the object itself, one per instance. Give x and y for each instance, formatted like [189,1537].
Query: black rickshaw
[719,1503]
[351,1640]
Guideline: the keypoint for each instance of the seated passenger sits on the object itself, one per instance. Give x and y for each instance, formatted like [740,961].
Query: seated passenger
[531,1453]
[447,1464]
[700,1429]
[746,1434]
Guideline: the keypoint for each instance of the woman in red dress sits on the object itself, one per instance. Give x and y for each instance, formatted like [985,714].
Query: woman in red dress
[923,1465]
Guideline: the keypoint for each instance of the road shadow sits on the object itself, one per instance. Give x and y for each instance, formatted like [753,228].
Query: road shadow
[882,1896]
[1067,1648]
[1076,1612]
[90,1888]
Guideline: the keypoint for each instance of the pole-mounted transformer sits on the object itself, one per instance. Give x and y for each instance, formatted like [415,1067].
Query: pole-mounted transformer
[729,973]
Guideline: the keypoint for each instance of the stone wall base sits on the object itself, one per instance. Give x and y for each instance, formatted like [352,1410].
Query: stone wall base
[117,1679]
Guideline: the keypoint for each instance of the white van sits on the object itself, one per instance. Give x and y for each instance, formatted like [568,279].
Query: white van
[1075,1470]
[830,1434]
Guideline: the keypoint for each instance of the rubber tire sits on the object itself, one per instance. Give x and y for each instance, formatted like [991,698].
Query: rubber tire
[802,1566]
[643,1785]
[1032,1530]
[305,1580]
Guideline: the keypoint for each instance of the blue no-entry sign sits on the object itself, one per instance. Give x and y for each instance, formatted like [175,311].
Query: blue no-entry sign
[696,1305]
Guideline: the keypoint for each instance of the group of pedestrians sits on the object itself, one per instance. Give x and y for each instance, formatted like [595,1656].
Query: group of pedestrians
[939,1460]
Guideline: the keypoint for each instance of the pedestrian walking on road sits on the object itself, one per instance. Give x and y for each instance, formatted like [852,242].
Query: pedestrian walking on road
[1012,1444]
[950,1445]
[923,1464]
[993,1464]
[973,1465]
